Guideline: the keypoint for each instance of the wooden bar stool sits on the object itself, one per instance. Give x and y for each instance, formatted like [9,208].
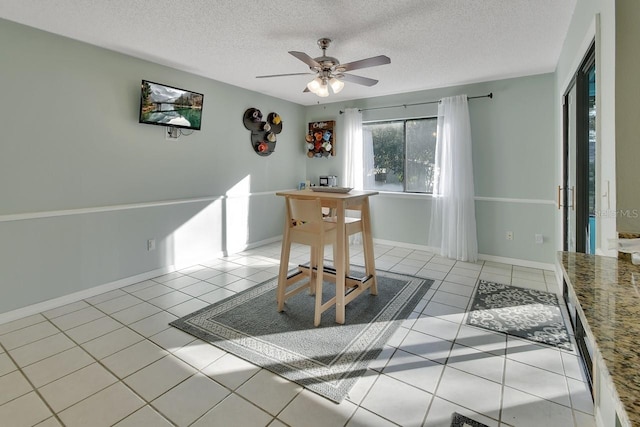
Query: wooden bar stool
[304,225]
[354,225]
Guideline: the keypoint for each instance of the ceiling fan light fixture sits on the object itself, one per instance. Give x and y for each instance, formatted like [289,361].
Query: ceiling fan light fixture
[330,73]
[323,91]
[314,85]
[336,84]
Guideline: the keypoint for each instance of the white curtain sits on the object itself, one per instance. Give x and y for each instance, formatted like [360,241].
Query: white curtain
[353,158]
[352,153]
[453,218]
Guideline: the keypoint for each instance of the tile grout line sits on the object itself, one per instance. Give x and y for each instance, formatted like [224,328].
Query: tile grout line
[119,380]
[293,398]
[198,371]
[96,360]
[34,389]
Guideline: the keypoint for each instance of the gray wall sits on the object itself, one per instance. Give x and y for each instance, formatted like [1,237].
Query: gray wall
[593,20]
[83,185]
[627,123]
[613,26]
[514,162]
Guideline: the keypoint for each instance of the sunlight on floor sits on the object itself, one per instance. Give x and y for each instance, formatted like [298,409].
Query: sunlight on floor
[114,357]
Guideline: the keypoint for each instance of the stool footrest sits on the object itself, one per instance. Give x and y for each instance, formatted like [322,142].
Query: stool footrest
[351,282]
[294,274]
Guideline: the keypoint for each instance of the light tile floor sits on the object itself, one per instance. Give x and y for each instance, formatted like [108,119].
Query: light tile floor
[113,359]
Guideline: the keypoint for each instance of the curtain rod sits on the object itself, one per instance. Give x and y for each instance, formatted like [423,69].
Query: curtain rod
[489,95]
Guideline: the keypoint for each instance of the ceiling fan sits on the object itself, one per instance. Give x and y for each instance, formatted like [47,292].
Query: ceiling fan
[330,73]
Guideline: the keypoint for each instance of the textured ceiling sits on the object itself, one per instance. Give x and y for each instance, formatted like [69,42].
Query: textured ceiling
[431,43]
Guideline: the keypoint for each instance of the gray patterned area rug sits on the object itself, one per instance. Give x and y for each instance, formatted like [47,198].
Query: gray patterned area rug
[328,359]
[526,313]
[459,420]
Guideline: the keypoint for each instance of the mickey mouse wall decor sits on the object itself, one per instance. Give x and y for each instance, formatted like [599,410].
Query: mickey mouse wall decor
[263,133]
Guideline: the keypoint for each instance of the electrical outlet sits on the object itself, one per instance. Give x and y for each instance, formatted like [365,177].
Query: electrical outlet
[151,244]
[539,239]
[509,235]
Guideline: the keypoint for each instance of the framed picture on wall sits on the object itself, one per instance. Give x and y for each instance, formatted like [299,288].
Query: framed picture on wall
[320,139]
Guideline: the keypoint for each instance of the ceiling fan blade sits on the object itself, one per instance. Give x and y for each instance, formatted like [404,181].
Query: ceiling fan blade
[364,63]
[365,81]
[312,63]
[283,75]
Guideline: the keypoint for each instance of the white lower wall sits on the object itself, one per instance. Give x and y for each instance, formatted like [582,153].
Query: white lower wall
[50,255]
[404,219]
[83,293]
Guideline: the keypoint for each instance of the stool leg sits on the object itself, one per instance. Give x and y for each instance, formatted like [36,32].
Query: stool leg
[318,283]
[312,274]
[335,252]
[284,269]
[347,260]
[367,242]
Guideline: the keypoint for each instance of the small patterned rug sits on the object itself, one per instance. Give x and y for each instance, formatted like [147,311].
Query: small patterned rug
[459,420]
[526,313]
[328,359]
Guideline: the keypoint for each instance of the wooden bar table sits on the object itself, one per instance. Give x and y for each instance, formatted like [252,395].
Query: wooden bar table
[341,202]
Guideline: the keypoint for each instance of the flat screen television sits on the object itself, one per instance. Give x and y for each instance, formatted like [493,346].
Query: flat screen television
[169,106]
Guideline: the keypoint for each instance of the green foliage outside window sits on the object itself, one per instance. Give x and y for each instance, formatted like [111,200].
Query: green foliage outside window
[403,155]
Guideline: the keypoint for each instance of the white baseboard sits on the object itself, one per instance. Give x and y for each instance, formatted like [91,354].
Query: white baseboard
[100,289]
[97,290]
[405,245]
[493,258]
[518,262]
[259,243]
[80,295]
[190,262]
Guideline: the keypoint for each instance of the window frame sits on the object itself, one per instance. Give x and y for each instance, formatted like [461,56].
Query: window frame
[405,160]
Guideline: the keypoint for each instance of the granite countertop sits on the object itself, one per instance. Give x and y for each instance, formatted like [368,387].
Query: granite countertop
[608,292]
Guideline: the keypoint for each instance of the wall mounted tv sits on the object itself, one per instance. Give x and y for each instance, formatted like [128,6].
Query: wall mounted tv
[169,106]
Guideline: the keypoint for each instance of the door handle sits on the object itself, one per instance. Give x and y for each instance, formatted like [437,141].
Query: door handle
[559,202]
[572,204]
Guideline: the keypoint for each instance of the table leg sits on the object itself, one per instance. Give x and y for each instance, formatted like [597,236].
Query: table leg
[367,243]
[284,266]
[340,263]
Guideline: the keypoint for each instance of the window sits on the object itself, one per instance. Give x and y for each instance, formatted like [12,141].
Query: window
[399,155]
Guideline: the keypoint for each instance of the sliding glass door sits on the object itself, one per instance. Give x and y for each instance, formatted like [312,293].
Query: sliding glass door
[566,193]
[577,194]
